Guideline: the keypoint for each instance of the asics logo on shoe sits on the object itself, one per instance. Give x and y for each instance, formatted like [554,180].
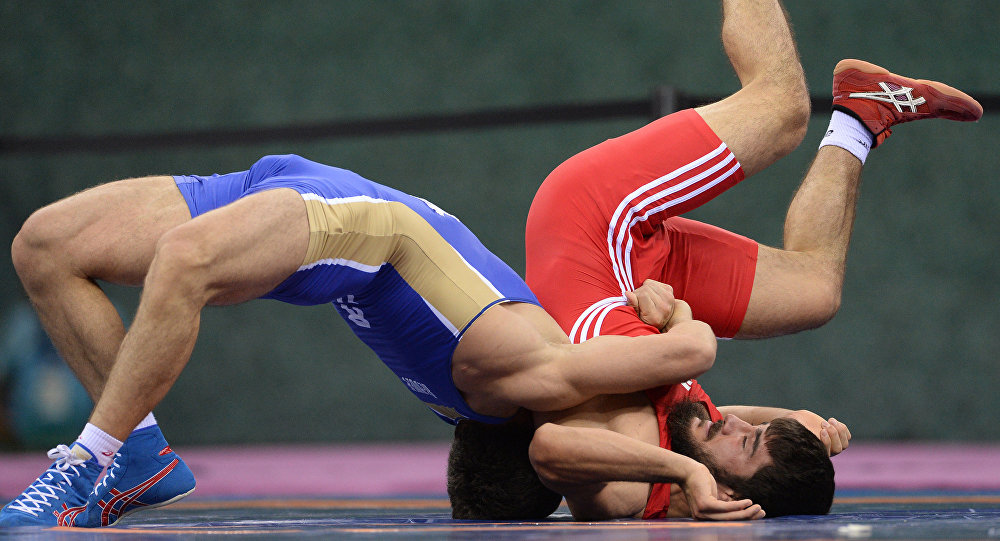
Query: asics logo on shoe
[107,453]
[899,96]
[119,503]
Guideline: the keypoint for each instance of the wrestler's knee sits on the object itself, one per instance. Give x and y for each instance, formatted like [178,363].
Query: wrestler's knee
[792,292]
[181,263]
[42,247]
[823,303]
[786,99]
[763,122]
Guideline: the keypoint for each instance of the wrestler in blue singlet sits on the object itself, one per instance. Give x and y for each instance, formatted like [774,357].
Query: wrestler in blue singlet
[407,277]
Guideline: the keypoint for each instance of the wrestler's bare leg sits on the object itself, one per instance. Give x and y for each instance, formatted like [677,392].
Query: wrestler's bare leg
[104,233]
[767,118]
[799,287]
[229,255]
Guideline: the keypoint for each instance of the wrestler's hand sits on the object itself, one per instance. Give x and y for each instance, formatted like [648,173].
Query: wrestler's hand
[681,314]
[654,302]
[702,494]
[834,434]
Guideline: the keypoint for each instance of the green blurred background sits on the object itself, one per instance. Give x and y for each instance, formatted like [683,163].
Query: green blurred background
[912,354]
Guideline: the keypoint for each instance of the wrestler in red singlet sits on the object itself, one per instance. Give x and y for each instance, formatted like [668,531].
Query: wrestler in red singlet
[607,219]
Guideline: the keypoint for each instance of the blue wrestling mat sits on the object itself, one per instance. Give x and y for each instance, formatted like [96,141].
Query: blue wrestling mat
[855,515]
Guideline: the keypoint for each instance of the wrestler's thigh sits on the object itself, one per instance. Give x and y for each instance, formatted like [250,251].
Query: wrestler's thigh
[788,296]
[109,232]
[747,127]
[249,246]
[757,124]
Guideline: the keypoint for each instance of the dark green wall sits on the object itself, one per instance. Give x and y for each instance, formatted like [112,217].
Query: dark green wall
[912,354]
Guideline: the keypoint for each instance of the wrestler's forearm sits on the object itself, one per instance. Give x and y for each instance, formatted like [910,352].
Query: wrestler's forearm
[612,365]
[755,414]
[569,457]
[623,364]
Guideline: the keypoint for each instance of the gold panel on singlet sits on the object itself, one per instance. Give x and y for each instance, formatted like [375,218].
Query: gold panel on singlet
[372,232]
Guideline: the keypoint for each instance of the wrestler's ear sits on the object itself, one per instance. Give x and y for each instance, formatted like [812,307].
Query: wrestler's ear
[726,494]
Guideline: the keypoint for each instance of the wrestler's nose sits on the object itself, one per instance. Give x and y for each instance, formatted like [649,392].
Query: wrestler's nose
[734,424]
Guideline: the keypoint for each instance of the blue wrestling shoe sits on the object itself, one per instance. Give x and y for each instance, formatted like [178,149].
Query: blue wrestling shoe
[61,491]
[145,473]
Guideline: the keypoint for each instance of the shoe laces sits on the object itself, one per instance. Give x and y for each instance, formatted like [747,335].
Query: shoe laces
[109,474]
[49,484]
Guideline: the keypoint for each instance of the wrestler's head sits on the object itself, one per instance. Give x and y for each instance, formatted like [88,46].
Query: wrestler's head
[781,465]
[490,476]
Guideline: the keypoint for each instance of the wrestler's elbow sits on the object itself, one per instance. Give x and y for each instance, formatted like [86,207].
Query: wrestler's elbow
[695,347]
[550,454]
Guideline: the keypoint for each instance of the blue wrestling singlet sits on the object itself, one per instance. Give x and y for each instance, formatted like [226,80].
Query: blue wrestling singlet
[407,277]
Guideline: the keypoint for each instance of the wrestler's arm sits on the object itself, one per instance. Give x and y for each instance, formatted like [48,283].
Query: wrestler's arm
[834,434]
[625,364]
[686,348]
[516,355]
[606,475]
[755,415]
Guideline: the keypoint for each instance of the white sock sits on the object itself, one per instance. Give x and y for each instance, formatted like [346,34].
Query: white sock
[100,443]
[848,133]
[146,422]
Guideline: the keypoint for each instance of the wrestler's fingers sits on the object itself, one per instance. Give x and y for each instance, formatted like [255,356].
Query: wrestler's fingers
[662,288]
[631,299]
[827,440]
[835,436]
[710,504]
[843,433]
[754,512]
[751,512]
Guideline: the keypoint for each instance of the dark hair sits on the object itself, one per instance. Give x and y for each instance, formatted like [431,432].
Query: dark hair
[799,481]
[490,476]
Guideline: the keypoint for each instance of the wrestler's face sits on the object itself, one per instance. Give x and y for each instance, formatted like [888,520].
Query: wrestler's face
[729,448]
[734,445]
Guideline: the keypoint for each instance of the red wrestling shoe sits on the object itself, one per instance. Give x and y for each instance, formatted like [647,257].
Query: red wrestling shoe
[880,99]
